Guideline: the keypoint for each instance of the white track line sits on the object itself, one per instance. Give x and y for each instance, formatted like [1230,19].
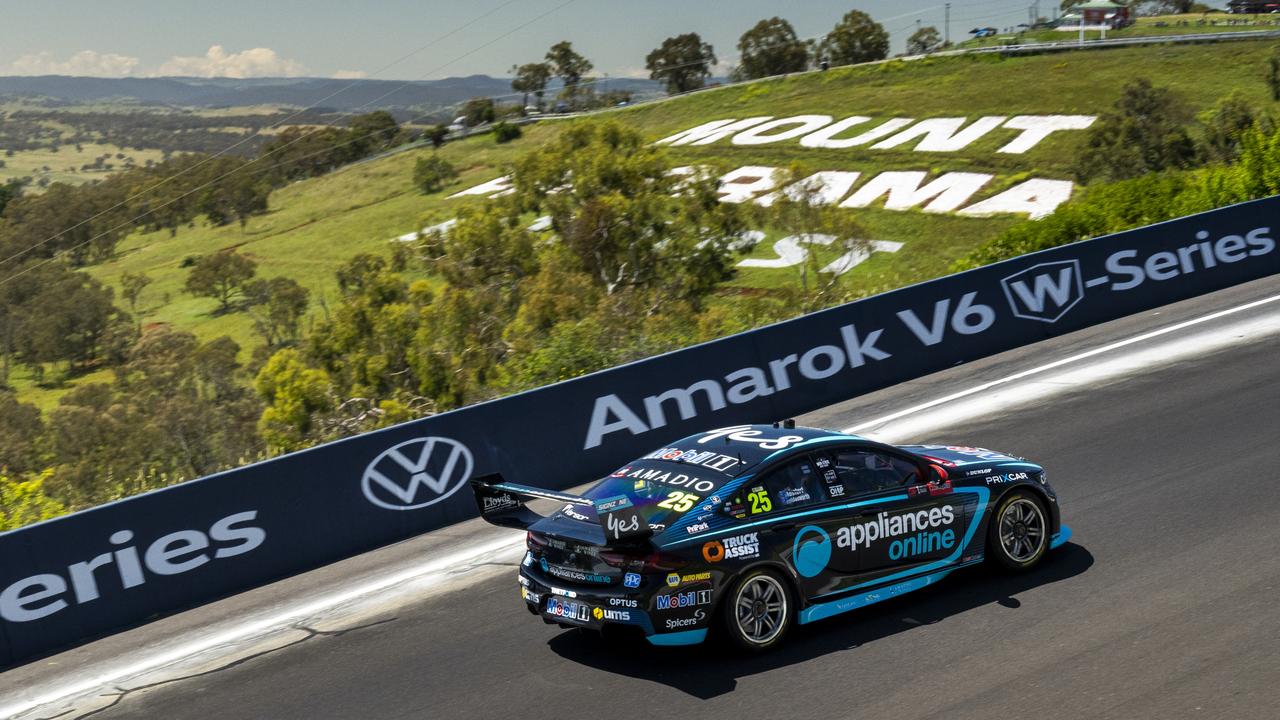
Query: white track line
[432,571]
[440,568]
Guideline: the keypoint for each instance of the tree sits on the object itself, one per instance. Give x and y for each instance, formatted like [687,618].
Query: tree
[683,62]
[374,132]
[769,48]
[221,275]
[855,39]
[67,318]
[431,173]
[8,191]
[799,212]
[436,134]
[569,66]
[276,306]
[1145,132]
[924,40]
[1226,125]
[530,78]
[20,430]
[132,285]
[23,502]
[606,191]
[478,110]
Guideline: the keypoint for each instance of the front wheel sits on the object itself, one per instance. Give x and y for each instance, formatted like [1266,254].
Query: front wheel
[1019,532]
[758,612]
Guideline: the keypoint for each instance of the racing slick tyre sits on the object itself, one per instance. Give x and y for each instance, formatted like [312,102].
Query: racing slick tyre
[759,611]
[1018,534]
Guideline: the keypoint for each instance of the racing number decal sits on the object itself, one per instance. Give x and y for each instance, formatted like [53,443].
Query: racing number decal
[679,501]
[760,502]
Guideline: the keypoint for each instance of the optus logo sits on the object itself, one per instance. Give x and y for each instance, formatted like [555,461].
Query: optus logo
[811,550]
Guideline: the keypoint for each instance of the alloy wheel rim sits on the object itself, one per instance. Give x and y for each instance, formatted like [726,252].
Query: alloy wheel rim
[1022,530]
[761,609]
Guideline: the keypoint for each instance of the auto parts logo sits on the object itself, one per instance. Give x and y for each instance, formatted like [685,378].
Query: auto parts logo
[417,473]
[1045,291]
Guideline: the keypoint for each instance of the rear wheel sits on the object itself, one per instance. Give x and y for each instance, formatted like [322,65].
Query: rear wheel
[758,612]
[1019,532]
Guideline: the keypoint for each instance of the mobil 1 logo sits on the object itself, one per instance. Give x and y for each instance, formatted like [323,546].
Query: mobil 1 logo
[1048,291]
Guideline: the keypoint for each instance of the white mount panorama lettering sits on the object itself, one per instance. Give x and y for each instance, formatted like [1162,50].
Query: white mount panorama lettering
[901,190]
[944,134]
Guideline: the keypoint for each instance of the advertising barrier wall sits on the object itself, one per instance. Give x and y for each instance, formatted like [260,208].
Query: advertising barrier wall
[78,576]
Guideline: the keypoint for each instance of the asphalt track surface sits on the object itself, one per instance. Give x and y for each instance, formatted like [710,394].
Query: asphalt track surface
[1162,606]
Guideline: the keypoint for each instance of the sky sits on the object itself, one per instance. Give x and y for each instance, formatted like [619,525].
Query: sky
[416,40]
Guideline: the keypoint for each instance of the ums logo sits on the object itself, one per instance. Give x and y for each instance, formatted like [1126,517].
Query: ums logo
[417,473]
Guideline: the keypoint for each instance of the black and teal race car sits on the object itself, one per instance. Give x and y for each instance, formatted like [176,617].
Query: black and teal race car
[754,528]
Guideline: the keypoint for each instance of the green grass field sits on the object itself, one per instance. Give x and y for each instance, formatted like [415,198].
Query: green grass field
[315,225]
[64,165]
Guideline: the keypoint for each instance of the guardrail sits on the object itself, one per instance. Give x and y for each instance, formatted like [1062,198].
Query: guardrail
[1062,45]
[74,577]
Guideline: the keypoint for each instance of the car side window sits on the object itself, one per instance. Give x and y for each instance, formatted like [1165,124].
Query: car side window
[786,487]
[865,471]
[834,483]
[792,485]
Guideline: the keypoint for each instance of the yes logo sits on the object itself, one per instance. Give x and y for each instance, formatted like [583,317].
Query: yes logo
[811,550]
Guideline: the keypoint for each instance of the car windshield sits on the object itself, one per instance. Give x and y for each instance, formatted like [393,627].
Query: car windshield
[661,490]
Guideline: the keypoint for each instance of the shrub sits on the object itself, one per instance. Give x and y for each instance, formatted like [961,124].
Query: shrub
[431,173]
[505,132]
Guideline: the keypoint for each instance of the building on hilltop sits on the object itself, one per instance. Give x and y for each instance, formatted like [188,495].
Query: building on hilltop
[1253,7]
[1096,14]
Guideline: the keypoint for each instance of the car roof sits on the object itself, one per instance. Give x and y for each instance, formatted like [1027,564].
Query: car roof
[749,445]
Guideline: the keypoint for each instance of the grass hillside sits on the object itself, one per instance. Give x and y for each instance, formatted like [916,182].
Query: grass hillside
[314,225]
[66,165]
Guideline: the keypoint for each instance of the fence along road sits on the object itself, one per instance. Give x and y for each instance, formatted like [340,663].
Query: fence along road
[81,575]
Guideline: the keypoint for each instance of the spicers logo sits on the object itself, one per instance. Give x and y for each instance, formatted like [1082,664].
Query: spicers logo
[417,473]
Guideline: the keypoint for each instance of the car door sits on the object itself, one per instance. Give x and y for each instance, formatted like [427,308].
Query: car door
[788,500]
[896,524]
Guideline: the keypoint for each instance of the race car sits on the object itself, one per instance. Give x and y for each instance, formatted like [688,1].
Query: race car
[754,528]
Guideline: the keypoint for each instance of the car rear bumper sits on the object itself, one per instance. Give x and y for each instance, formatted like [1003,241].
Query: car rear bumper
[594,608]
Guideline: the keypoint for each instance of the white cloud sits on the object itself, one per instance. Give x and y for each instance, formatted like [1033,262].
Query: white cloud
[217,62]
[350,75]
[85,63]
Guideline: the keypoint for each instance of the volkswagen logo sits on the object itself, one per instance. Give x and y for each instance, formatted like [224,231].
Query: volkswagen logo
[417,473]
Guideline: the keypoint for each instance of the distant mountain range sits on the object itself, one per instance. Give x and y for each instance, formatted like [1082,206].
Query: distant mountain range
[302,92]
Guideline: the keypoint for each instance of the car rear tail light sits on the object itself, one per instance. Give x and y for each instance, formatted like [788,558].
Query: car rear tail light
[656,562]
[534,541]
[617,559]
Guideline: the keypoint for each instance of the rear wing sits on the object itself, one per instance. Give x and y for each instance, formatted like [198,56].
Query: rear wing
[502,503]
